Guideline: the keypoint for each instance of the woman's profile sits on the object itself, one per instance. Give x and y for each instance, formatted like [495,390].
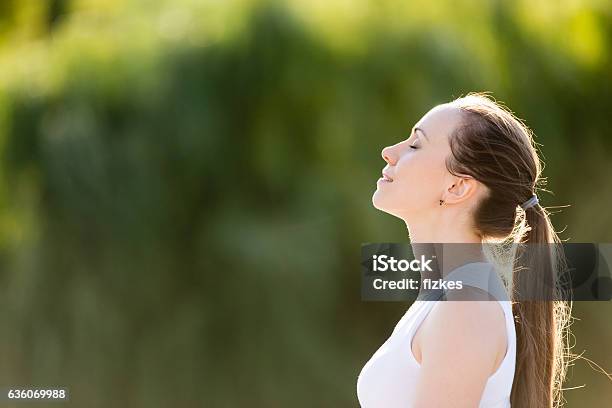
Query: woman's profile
[469,174]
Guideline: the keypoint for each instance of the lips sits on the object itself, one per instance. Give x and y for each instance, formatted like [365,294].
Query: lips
[386,177]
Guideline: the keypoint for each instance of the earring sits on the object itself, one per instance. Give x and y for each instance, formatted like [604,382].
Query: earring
[441,202]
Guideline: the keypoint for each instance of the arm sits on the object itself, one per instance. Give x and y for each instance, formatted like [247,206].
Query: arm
[460,345]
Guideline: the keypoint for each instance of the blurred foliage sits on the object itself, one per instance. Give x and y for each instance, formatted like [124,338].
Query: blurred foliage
[185,184]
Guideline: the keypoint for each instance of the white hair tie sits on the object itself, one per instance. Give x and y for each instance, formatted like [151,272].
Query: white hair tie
[530,203]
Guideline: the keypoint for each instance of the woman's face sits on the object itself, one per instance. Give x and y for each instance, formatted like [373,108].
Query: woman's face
[415,177]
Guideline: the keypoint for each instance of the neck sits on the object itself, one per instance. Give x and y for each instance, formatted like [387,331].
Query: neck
[450,244]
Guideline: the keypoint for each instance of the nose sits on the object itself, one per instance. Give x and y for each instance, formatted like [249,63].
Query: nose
[388,155]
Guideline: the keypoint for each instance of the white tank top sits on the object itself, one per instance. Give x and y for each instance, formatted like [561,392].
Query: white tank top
[388,378]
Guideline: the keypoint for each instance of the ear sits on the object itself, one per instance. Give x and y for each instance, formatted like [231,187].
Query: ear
[462,189]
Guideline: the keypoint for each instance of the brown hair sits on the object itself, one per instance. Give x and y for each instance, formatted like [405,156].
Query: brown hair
[496,148]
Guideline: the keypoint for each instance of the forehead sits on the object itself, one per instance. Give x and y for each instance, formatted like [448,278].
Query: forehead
[439,122]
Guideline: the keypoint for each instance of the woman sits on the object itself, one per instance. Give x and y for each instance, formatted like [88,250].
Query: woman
[468,174]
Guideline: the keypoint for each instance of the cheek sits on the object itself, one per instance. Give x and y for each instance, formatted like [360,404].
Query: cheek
[421,178]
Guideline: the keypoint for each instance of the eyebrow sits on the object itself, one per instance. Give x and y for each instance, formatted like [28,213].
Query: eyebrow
[414,129]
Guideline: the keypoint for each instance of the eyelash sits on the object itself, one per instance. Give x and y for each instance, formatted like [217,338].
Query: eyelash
[413,147]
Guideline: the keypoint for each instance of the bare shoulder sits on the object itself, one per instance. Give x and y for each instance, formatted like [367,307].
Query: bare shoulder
[482,317]
[465,332]
[460,346]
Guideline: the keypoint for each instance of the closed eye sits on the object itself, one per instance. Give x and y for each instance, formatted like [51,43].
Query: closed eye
[416,138]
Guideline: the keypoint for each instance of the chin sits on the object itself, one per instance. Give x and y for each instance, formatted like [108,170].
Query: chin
[379,204]
[377,201]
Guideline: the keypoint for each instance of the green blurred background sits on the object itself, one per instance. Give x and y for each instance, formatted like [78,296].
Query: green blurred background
[185,185]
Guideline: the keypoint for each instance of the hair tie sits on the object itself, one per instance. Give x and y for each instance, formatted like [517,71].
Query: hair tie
[530,203]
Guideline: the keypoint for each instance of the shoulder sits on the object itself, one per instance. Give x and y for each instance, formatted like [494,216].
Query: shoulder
[465,331]
[460,346]
[480,316]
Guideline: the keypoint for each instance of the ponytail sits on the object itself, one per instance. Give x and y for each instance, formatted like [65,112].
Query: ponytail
[541,318]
